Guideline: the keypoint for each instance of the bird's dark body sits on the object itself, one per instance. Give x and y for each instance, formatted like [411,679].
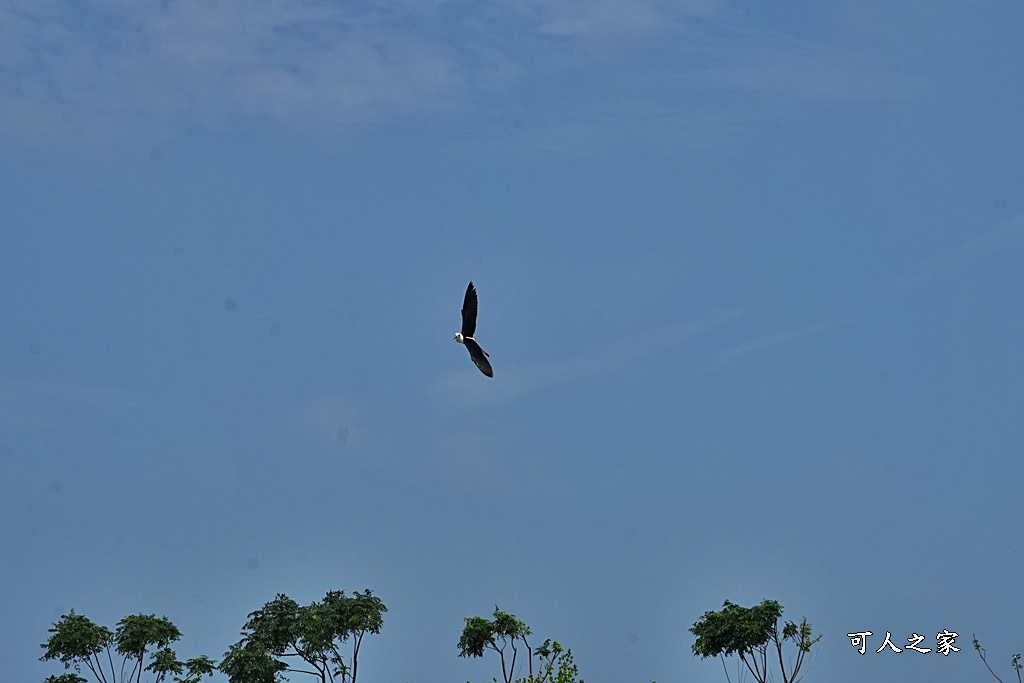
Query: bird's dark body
[479,356]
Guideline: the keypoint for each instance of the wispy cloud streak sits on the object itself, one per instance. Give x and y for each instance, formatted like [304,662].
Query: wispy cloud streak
[816,73]
[612,17]
[312,61]
[110,68]
[532,376]
[970,249]
[734,353]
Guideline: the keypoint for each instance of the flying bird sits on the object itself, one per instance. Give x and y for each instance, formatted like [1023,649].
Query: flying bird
[478,355]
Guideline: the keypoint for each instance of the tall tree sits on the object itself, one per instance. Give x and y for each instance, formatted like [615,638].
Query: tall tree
[77,641]
[750,632]
[500,634]
[506,633]
[285,636]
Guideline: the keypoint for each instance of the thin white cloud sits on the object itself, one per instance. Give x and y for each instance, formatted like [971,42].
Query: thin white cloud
[734,353]
[112,68]
[816,73]
[613,17]
[93,68]
[1002,235]
[106,63]
[513,381]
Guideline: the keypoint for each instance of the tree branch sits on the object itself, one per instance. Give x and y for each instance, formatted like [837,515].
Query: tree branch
[981,653]
[752,669]
[529,652]
[725,668]
[341,661]
[303,671]
[800,654]
[809,665]
[138,676]
[515,653]
[501,653]
[356,642]
[110,660]
[778,648]
[796,665]
[93,668]
[309,659]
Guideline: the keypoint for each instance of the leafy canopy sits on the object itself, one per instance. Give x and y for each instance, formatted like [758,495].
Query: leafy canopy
[284,636]
[507,632]
[76,641]
[749,632]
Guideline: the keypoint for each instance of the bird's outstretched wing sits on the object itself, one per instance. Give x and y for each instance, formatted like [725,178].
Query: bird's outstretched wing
[469,312]
[479,357]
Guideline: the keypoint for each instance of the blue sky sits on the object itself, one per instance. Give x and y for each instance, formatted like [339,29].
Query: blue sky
[749,277]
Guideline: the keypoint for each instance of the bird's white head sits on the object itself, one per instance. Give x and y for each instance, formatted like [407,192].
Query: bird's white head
[459,338]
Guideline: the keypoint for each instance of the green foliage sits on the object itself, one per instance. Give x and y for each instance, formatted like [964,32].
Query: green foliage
[136,632]
[549,653]
[735,629]
[503,632]
[481,634]
[284,630]
[197,667]
[78,642]
[506,632]
[477,636]
[250,663]
[66,678]
[566,672]
[165,662]
[1014,661]
[749,632]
